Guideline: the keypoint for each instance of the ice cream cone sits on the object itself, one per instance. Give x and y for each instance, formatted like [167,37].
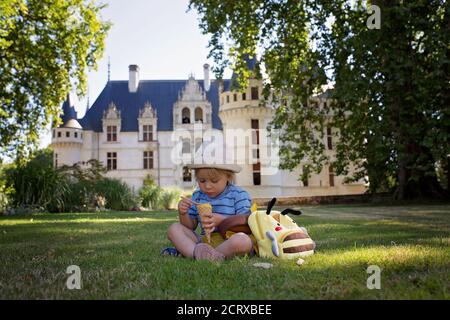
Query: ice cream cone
[205,210]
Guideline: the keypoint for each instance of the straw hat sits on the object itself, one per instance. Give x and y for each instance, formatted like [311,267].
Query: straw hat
[230,167]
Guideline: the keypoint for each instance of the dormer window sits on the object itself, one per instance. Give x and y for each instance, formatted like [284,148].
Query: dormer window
[111,133]
[185,114]
[111,123]
[191,106]
[148,132]
[198,115]
[147,123]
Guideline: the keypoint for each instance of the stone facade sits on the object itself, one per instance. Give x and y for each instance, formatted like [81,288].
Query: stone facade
[133,149]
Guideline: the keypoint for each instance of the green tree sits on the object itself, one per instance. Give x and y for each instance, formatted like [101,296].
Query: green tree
[391,96]
[46,46]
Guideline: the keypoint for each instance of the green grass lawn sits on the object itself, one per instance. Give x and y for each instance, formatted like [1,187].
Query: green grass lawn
[118,254]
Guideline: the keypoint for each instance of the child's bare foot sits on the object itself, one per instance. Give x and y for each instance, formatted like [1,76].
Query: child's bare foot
[204,251]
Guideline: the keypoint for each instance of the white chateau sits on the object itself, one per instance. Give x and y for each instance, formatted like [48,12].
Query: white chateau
[141,128]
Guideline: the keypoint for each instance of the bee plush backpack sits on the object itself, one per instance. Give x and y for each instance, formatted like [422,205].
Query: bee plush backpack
[275,233]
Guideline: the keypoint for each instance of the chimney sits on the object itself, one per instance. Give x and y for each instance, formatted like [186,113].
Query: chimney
[133,81]
[207,82]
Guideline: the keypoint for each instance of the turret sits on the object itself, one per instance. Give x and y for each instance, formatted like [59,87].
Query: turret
[67,138]
[245,117]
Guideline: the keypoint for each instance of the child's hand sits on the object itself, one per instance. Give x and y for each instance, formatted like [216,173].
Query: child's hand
[210,223]
[184,205]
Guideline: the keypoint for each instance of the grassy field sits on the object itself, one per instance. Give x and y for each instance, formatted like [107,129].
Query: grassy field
[118,254]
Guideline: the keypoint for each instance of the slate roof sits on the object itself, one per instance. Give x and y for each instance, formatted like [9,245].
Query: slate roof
[252,65]
[69,111]
[162,94]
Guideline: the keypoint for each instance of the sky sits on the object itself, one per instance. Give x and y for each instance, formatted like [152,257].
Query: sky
[160,36]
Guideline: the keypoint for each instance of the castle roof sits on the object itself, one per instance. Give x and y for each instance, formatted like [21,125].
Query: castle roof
[162,95]
[72,123]
[69,112]
[252,65]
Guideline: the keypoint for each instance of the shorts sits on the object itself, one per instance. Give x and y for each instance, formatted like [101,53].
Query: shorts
[216,240]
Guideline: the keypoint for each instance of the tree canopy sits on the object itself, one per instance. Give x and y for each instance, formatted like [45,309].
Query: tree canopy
[390,109]
[46,47]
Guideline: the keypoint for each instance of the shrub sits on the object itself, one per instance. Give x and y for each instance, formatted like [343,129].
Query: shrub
[170,197]
[151,196]
[36,184]
[5,191]
[117,194]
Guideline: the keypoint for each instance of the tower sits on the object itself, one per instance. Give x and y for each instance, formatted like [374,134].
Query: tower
[245,117]
[67,138]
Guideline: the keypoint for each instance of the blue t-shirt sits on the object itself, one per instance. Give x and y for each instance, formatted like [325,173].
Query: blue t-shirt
[233,200]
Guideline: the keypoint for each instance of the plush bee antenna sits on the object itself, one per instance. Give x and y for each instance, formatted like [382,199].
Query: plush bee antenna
[289,210]
[270,205]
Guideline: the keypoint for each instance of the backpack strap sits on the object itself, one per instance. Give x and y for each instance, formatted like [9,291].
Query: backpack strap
[236,223]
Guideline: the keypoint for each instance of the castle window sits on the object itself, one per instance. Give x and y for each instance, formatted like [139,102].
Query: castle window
[59,134]
[148,132]
[186,115]
[235,97]
[329,139]
[76,134]
[228,99]
[111,133]
[255,141]
[67,134]
[244,96]
[53,133]
[148,159]
[187,175]
[255,95]
[198,114]
[331,175]
[255,131]
[56,160]
[111,160]
[257,178]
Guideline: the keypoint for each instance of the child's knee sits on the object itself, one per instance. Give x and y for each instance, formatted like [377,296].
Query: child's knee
[241,242]
[173,229]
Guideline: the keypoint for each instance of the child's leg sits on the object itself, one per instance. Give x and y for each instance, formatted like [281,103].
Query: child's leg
[183,239]
[238,244]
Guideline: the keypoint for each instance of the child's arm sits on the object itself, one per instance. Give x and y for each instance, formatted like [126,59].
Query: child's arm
[185,219]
